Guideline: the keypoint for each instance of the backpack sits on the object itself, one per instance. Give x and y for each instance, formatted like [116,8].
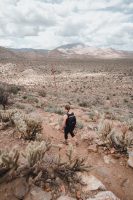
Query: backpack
[71,122]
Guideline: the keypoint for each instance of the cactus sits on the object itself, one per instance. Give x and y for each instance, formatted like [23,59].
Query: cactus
[35,152]
[104,128]
[5,115]
[8,160]
[69,153]
[28,126]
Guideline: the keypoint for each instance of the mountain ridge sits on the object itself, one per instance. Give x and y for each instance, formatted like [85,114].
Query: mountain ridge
[72,50]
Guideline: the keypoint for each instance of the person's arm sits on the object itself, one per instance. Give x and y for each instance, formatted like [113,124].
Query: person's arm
[64,122]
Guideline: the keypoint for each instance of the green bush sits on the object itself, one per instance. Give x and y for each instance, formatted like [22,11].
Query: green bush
[80,125]
[54,110]
[3,96]
[13,89]
[83,104]
[42,93]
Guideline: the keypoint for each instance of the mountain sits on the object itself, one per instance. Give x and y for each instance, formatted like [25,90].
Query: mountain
[29,53]
[74,50]
[79,49]
[6,53]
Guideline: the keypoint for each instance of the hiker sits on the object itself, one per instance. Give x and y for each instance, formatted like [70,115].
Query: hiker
[69,123]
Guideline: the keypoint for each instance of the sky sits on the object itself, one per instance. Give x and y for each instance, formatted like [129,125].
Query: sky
[47,24]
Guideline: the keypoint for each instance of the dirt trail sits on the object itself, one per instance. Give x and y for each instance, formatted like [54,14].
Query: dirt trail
[116,175]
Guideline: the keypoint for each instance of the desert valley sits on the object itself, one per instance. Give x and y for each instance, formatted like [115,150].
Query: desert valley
[97,83]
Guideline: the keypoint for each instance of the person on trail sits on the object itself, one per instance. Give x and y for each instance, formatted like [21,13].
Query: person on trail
[69,123]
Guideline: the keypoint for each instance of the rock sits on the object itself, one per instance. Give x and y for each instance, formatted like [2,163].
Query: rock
[20,188]
[116,137]
[129,138]
[66,198]
[112,150]
[130,160]
[57,127]
[108,159]
[92,148]
[37,193]
[106,195]
[89,135]
[92,183]
[85,118]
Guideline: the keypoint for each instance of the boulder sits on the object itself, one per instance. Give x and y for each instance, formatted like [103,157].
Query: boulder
[130,160]
[104,195]
[89,135]
[37,193]
[108,159]
[91,183]
[20,188]
[65,198]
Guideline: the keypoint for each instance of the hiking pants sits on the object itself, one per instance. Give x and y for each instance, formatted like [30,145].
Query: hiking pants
[66,132]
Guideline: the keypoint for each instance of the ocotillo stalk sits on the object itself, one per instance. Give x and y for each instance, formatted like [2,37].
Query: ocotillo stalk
[53,73]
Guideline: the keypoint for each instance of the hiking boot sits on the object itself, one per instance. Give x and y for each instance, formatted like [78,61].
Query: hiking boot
[65,142]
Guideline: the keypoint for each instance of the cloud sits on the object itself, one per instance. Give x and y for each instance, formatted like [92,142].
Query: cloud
[50,23]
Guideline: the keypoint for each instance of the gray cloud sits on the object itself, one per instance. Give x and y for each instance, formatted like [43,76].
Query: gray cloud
[49,23]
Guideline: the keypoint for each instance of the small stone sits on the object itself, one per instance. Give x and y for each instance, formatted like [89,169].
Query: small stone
[112,150]
[78,194]
[92,148]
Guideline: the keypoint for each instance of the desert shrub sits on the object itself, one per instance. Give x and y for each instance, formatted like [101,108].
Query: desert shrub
[3,96]
[20,106]
[42,93]
[13,89]
[56,110]
[130,124]
[32,99]
[48,168]
[83,104]
[42,168]
[24,97]
[104,128]
[79,125]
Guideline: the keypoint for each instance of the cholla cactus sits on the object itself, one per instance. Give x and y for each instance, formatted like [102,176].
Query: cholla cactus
[9,159]
[116,138]
[35,152]
[5,115]
[69,153]
[28,126]
[34,127]
[20,125]
[130,124]
[104,128]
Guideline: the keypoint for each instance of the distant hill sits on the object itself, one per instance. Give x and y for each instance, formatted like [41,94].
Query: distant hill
[6,53]
[74,50]
[80,49]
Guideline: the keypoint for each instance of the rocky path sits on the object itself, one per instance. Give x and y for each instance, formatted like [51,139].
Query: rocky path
[108,173]
[112,171]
